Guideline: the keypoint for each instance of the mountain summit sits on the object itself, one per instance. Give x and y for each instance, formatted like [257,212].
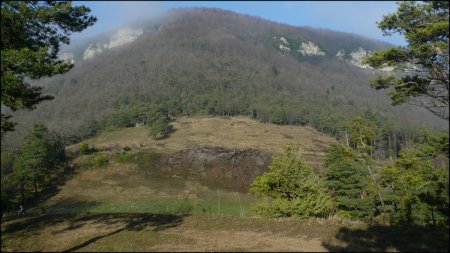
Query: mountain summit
[216,62]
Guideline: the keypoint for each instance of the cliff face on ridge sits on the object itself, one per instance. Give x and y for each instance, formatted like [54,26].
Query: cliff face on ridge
[211,61]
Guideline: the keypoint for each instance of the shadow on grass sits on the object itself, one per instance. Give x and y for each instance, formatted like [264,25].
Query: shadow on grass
[124,222]
[31,222]
[170,131]
[33,204]
[377,238]
[133,222]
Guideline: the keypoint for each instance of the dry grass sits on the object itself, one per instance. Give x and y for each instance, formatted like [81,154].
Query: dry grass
[121,220]
[232,133]
[149,232]
[144,232]
[125,188]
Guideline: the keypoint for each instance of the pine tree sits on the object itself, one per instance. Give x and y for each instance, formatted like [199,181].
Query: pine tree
[419,189]
[159,123]
[32,32]
[32,164]
[424,61]
[347,179]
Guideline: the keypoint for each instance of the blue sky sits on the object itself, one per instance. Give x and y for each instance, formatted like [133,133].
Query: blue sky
[354,17]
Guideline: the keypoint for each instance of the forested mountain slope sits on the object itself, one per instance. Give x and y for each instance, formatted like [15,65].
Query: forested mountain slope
[210,61]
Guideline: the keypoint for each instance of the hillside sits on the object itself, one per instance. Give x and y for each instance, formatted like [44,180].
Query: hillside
[226,132]
[209,61]
[125,204]
[221,153]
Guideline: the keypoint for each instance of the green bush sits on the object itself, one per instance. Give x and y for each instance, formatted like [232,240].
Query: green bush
[97,160]
[100,161]
[291,188]
[148,161]
[84,148]
[126,157]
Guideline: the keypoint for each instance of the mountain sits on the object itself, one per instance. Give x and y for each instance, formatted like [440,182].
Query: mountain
[211,61]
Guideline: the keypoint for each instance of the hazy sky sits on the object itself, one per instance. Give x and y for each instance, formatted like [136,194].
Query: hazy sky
[353,17]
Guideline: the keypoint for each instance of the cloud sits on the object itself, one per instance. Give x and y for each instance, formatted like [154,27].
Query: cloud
[112,15]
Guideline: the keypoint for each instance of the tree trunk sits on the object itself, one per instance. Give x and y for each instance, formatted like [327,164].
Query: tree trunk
[378,192]
[395,147]
[405,140]
[22,194]
[35,188]
[389,147]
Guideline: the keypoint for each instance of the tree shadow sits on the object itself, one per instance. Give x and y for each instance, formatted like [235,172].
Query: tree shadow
[378,238]
[132,222]
[31,222]
[71,205]
[123,222]
[169,132]
[61,176]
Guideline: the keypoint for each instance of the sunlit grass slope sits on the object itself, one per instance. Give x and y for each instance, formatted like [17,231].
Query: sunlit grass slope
[232,133]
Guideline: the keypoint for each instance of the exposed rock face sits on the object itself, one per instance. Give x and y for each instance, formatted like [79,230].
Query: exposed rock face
[217,167]
[91,51]
[284,48]
[340,54]
[387,68]
[284,44]
[357,57]
[69,57]
[310,48]
[122,37]
[284,41]
[162,27]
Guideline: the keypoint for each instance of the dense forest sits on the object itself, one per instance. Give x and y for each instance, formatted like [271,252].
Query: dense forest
[215,62]
[384,164]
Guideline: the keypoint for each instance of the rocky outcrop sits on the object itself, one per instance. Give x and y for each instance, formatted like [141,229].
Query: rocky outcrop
[340,54]
[217,167]
[92,51]
[357,58]
[284,41]
[121,37]
[284,44]
[68,57]
[124,36]
[310,48]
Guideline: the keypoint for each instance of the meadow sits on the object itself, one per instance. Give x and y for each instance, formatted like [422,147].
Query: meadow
[108,200]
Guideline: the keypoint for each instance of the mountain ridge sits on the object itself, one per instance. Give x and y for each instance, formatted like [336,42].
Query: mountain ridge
[211,61]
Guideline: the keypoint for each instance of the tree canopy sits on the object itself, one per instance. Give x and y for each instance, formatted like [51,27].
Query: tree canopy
[31,36]
[424,61]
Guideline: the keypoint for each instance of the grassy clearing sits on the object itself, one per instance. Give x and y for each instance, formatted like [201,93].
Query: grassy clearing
[175,206]
[203,232]
[231,133]
[122,208]
[123,188]
[112,204]
[152,232]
